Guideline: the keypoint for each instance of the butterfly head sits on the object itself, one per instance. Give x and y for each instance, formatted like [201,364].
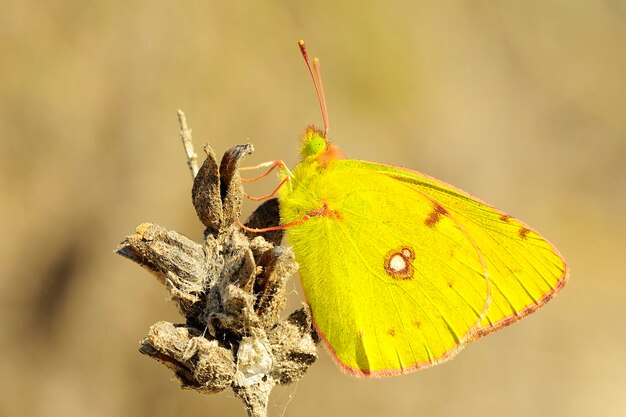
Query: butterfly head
[316,146]
[313,142]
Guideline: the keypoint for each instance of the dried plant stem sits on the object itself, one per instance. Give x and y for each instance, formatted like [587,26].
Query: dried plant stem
[185,136]
[230,290]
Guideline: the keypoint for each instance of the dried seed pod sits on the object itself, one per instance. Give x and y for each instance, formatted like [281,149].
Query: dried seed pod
[205,193]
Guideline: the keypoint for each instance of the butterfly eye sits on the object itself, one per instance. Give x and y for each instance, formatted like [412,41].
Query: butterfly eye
[314,146]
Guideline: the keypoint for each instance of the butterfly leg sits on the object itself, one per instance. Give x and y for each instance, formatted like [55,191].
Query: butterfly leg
[322,211]
[271,164]
[273,228]
[272,194]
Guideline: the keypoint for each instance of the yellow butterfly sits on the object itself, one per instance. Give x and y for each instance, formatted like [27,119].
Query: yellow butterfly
[402,270]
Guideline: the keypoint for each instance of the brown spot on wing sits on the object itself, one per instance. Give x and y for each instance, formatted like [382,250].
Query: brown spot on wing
[435,215]
[505,217]
[325,211]
[523,232]
[391,332]
[418,324]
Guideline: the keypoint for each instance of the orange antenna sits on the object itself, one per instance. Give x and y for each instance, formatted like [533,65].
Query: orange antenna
[316,76]
[318,72]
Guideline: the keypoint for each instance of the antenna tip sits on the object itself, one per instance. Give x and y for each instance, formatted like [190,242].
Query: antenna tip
[302,47]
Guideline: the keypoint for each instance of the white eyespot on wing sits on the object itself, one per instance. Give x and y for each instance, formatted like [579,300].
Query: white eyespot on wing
[397,263]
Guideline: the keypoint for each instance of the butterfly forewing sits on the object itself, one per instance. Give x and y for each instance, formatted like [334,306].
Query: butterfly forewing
[525,270]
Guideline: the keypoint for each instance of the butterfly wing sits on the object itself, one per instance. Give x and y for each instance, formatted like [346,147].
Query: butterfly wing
[395,283]
[525,270]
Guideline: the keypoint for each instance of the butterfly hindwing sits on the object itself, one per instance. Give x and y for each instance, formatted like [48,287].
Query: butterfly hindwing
[394,281]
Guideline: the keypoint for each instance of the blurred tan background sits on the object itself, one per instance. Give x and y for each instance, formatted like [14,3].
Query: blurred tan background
[521,103]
